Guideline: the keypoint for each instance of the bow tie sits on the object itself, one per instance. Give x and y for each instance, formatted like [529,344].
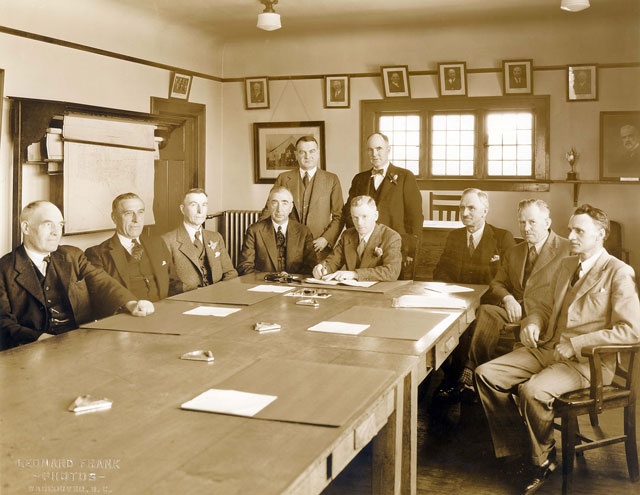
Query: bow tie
[375,171]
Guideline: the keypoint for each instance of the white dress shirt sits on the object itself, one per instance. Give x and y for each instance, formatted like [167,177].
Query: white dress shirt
[127,243]
[377,179]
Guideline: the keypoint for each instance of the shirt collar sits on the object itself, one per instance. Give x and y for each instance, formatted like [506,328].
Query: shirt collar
[310,172]
[589,262]
[365,237]
[283,225]
[126,242]
[384,169]
[540,244]
[37,258]
[191,230]
[477,235]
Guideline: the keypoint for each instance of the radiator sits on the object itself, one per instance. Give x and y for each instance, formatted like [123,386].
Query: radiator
[234,228]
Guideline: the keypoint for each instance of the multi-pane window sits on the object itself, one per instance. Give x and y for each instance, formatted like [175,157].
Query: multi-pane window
[403,132]
[510,144]
[452,144]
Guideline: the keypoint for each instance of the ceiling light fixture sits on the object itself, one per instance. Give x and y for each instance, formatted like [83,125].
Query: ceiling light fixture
[574,5]
[269,20]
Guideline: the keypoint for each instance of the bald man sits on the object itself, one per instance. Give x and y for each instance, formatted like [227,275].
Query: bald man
[47,289]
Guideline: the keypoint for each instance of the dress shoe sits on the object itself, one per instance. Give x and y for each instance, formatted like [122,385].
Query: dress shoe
[449,394]
[541,473]
[467,394]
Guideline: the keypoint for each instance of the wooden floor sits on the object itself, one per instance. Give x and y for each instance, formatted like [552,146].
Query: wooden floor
[460,461]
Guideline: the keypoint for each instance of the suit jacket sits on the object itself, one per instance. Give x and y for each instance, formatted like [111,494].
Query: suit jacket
[260,253]
[111,256]
[508,279]
[452,85]
[605,310]
[485,260]
[383,265]
[324,218]
[92,293]
[520,83]
[399,202]
[186,260]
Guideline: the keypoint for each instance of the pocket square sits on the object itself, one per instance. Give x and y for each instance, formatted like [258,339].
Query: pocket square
[164,262]
[217,254]
[496,257]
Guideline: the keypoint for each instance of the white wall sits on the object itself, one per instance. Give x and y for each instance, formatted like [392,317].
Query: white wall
[40,70]
[549,42]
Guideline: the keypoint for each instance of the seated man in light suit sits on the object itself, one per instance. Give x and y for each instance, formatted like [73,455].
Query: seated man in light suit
[317,197]
[473,253]
[199,255]
[278,243]
[368,250]
[47,289]
[141,264]
[595,302]
[522,279]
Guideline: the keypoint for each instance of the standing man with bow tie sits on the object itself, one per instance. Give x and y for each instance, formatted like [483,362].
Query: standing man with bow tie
[595,302]
[141,264]
[395,191]
[199,255]
[47,289]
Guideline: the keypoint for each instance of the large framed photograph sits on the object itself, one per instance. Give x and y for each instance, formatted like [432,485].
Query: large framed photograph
[395,80]
[337,93]
[452,78]
[256,93]
[620,146]
[582,82]
[518,77]
[180,86]
[274,147]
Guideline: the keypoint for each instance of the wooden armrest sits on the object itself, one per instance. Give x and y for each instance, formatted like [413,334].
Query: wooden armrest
[590,350]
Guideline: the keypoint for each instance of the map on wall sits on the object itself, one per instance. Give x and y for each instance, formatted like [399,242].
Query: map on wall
[94,175]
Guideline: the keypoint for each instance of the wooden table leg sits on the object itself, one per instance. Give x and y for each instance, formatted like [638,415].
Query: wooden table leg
[387,451]
[410,434]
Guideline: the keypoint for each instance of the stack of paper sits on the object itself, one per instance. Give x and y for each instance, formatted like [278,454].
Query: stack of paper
[229,402]
[428,301]
[351,283]
[445,288]
[211,311]
[339,327]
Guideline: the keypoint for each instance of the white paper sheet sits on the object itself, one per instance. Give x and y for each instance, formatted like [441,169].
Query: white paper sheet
[352,283]
[270,288]
[445,288]
[229,402]
[428,301]
[211,311]
[339,327]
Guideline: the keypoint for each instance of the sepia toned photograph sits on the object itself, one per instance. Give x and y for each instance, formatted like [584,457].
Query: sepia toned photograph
[256,93]
[518,77]
[337,92]
[620,145]
[275,147]
[582,83]
[180,86]
[452,78]
[395,81]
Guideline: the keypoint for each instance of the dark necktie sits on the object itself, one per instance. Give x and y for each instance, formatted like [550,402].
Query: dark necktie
[280,243]
[45,261]
[576,275]
[305,180]
[136,250]
[532,256]
[361,247]
[470,246]
[197,242]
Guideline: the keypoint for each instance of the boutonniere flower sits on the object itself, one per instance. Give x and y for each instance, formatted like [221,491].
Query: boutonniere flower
[213,245]
[496,257]
[217,254]
[393,178]
[378,251]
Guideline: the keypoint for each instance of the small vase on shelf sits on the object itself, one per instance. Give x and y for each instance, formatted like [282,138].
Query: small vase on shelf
[572,158]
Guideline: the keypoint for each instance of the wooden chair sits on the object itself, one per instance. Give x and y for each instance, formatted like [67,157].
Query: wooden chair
[613,244]
[592,401]
[409,254]
[444,206]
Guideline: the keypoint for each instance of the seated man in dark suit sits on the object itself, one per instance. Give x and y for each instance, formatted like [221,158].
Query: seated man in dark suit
[368,251]
[141,264]
[199,255]
[522,280]
[278,243]
[46,289]
[595,302]
[473,253]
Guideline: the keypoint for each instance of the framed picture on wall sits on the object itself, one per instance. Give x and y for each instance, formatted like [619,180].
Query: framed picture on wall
[180,86]
[620,146]
[274,147]
[582,82]
[518,77]
[395,81]
[452,78]
[256,93]
[337,93]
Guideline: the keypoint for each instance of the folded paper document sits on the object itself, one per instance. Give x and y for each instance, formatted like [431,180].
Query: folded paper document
[211,311]
[229,402]
[270,288]
[446,288]
[428,301]
[339,327]
[87,403]
[351,283]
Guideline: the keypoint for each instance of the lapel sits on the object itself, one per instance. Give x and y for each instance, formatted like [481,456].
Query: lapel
[119,257]
[350,249]
[207,237]
[319,190]
[26,276]
[156,259]
[63,267]
[293,234]
[594,275]
[186,247]
[268,236]
[547,253]
[562,284]
[521,259]
[368,257]
[487,246]
[386,186]
[293,184]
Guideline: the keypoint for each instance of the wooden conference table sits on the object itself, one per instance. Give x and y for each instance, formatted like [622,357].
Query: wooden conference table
[147,444]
